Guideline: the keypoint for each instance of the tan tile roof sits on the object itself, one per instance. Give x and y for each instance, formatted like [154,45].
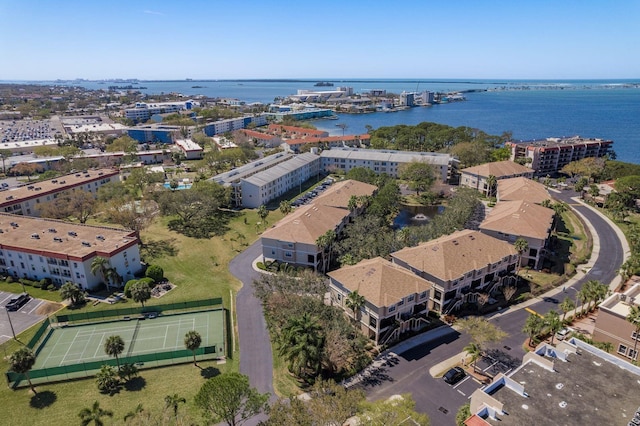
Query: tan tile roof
[381,282]
[521,218]
[521,188]
[498,169]
[60,239]
[339,194]
[307,223]
[451,256]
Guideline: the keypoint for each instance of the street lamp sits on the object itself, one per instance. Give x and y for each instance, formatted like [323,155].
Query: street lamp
[10,323]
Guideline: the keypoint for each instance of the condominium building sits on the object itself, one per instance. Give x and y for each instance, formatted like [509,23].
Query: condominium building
[392,295]
[25,199]
[327,142]
[549,156]
[612,325]
[521,188]
[477,177]
[274,182]
[386,161]
[190,149]
[459,265]
[232,124]
[294,132]
[36,248]
[305,114]
[143,111]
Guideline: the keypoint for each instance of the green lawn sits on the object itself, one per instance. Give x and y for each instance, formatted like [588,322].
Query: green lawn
[199,268]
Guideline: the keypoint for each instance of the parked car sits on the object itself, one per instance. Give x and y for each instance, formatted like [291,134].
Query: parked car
[454,375]
[564,333]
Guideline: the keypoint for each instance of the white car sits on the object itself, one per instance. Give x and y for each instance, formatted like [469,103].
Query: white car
[564,333]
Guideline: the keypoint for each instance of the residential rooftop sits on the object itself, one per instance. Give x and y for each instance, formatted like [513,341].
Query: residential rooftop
[522,188]
[55,238]
[499,169]
[561,141]
[519,218]
[251,168]
[387,155]
[339,194]
[306,224]
[620,303]
[282,169]
[381,282]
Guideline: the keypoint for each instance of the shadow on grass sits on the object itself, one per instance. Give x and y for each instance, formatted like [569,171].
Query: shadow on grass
[153,249]
[136,384]
[43,399]
[209,372]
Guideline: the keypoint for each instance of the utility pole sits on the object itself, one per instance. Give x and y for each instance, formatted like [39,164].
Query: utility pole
[10,323]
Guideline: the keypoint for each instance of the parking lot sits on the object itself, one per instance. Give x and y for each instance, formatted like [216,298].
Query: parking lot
[29,314]
[310,195]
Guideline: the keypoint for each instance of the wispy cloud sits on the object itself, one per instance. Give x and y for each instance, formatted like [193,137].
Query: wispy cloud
[153,12]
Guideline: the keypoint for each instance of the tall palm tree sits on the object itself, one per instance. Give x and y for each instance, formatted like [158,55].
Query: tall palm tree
[532,327]
[325,243]
[173,401]
[21,362]
[566,305]
[113,346]
[552,321]
[93,414]
[301,344]
[558,208]
[582,297]
[355,301]
[192,341]
[474,351]
[491,185]
[285,207]
[100,265]
[521,245]
[634,318]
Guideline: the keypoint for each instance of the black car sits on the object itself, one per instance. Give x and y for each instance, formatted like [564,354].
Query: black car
[454,375]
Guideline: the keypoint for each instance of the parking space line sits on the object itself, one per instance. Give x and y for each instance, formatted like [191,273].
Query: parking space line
[37,306]
[489,366]
[6,298]
[462,393]
[461,382]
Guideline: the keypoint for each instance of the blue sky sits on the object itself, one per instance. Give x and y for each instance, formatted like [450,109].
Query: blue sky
[223,39]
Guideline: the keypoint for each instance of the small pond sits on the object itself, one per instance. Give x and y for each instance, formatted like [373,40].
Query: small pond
[416,215]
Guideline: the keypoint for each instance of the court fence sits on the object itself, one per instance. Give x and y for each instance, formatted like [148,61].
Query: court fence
[142,361]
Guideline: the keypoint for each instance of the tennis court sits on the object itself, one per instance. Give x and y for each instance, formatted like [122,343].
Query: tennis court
[84,343]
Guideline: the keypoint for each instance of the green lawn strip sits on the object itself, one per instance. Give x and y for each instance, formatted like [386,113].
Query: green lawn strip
[38,293]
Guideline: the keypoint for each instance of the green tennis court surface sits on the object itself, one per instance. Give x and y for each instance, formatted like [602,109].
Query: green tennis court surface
[85,343]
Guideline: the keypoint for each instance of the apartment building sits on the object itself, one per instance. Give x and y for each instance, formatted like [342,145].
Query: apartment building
[476,177]
[274,182]
[259,138]
[521,188]
[511,220]
[143,111]
[392,295]
[573,383]
[190,149]
[612,325]
[294,132]
[293,239]
[549,156]
[25,199]
[386,161]
[36,248]
[304,114]
[232,124]
[459,265]
[328,142]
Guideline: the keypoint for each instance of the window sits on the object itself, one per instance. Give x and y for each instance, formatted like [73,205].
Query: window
[401,302]
[632,354]
[373,322]
[392,308]
[622,349]
[423,295]
[288,254]
[411,297]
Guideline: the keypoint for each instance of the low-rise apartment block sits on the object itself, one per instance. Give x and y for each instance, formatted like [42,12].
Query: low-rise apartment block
[476,177]
[40,248]
[328,142]
[25,199]
[232,124]
[459,265]
[190,149]
[392,295]
[386,161]
[143,111]
[520,188]
[294,132]
[549,156]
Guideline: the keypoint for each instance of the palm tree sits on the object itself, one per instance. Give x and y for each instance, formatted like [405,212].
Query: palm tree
[113,346]
[135,412]
[93,414]
[559,208]
[546,203]
[353,203]
[474,351]
[532,327]
[582,297]
[285,207]
[100,265]
[21,362]
[566,305]
[634,318]
[355,301]
[552,321]
[114,277]
[72,292]
[192,341]
[491,185]
[521,245]
[140,292]
[324,243]
[263,213]
[301,344]
[173,401]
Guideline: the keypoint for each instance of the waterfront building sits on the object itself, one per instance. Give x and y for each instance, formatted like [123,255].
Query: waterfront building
[395,298]
[549,156]
[476,177]
[304,95]
[612,325]
[407,99]
[293,239]
[460,265]
[295,132]
[232,124]
[511,220]
[143,111]
[305,114]
[190,149]
[233,178]
[36,249]
[259,138]
[386,161]
[275,181]
[573,383]
[24,200]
